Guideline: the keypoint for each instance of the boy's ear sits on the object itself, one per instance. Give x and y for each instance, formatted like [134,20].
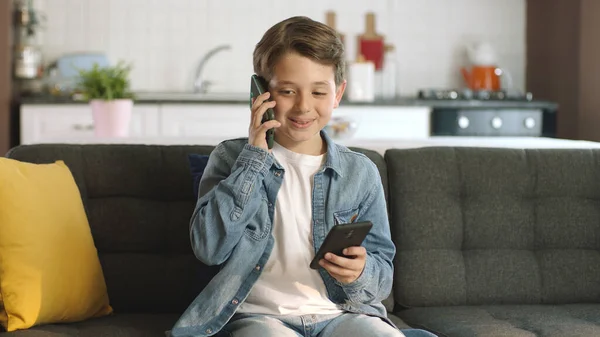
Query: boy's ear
[339,93]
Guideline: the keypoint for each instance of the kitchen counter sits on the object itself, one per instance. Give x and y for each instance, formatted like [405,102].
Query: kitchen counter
[190,98]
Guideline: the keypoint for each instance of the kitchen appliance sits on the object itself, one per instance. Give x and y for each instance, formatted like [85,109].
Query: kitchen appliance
[62,75]
[468,94]
[482,77]
[488,113]
[484,73]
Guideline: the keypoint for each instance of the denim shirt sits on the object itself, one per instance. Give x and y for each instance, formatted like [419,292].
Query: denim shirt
[232,223]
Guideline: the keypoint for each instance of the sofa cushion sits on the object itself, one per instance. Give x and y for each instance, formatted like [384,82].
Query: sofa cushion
[477,226]
[118,325]
[508,320]
[49,267]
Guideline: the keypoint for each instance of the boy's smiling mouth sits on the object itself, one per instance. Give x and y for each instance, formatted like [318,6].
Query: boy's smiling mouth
[300,123]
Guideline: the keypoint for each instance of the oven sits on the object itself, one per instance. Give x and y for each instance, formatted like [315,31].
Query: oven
[489,114]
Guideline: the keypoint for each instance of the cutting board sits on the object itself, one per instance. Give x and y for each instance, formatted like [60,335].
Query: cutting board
[330,21]
[370,44]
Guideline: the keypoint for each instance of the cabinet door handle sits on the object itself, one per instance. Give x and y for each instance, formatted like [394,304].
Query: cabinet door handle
[80,127]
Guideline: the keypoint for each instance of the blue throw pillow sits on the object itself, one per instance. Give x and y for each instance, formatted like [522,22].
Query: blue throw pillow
[197,165]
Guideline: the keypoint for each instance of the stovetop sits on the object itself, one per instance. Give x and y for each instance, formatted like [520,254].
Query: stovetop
[467,94]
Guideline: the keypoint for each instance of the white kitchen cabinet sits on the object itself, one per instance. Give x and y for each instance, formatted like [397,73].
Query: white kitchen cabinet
[387,122]
[49,123]
[230,121]
[215,121]
[174,123]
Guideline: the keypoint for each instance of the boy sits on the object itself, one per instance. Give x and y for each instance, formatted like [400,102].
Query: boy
[263,213]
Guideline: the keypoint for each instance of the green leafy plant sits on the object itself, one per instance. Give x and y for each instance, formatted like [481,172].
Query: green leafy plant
[106,83]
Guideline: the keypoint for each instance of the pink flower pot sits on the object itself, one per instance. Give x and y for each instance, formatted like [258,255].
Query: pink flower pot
[111,118]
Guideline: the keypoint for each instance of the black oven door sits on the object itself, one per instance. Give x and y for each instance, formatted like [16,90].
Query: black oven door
[490,122]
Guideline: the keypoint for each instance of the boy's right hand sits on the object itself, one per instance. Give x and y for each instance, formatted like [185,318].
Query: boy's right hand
[257,132]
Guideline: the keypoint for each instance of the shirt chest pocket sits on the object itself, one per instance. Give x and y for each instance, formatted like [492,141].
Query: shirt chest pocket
[346,216]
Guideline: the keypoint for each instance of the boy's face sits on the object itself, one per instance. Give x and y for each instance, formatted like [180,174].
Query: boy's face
[306,95]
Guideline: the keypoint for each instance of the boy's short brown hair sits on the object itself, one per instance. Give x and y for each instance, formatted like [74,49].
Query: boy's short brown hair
[304,36]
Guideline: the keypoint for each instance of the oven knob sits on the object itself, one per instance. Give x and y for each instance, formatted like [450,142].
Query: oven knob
[463,122]
[496,122]
[529,122]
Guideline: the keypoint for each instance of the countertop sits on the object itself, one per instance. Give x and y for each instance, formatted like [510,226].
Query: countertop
[166,98]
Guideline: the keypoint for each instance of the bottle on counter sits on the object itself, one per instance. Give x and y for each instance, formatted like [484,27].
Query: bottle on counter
[389,73]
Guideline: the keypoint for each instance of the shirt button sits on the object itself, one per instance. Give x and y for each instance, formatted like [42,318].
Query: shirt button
[277,173]
[270,204]
[257,267]
[234,302]
[208,331]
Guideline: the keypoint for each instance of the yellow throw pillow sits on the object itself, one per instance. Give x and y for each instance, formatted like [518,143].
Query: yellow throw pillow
[49,266]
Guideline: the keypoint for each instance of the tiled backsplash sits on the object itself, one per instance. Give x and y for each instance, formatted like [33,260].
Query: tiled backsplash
[164,39]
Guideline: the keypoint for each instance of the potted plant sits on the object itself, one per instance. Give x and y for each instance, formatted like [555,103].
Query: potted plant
[107,90]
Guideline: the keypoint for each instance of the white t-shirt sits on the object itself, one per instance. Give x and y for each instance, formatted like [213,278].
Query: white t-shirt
[287,285]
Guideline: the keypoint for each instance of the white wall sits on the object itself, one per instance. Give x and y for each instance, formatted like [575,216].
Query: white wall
[165,38]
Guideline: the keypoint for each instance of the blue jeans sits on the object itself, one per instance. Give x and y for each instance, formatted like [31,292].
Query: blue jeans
[344,325]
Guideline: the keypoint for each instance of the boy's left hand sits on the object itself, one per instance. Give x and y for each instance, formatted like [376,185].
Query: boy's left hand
[346,269]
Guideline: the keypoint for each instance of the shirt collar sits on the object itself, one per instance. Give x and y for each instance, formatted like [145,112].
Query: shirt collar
[332,158]
[333,155]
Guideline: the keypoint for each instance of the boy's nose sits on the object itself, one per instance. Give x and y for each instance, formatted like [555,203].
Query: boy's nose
[303,104]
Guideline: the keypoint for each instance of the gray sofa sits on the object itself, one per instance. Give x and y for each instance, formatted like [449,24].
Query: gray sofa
[491,242]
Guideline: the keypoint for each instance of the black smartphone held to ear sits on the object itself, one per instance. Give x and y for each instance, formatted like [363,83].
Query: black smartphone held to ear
[258,86]
[340,237]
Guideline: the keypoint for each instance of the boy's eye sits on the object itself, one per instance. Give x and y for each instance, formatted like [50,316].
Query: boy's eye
[286,92]
[319,93]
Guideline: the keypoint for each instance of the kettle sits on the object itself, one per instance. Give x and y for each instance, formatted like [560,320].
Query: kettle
[484,73]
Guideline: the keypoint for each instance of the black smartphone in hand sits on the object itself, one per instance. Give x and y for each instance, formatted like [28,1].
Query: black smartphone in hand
[258,86]
[341,237]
